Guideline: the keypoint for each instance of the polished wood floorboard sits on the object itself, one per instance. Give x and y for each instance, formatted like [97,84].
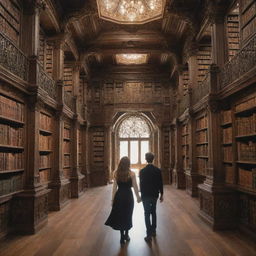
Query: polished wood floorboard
[79,230]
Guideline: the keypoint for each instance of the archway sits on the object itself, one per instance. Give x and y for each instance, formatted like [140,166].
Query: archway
[134,135]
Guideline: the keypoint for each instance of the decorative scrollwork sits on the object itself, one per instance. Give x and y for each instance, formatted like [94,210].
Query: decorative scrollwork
[46,82]
[13,59]
[240,64]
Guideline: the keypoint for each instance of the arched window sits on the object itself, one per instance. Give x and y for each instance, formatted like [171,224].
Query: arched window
[134,136]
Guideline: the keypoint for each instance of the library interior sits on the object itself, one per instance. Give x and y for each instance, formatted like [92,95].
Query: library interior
[86,82]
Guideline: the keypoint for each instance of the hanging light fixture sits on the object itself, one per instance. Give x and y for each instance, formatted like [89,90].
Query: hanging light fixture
[131,11]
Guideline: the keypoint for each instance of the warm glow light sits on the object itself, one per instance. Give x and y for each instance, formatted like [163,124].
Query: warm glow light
[131,58]
[131,11]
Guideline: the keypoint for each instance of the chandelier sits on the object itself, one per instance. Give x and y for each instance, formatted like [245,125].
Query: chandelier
[131,11]
[131,58]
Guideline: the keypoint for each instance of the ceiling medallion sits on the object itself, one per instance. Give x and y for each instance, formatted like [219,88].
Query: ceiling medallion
[131,58]
[131,11]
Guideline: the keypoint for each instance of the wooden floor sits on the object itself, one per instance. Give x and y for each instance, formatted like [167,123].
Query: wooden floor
[79,230]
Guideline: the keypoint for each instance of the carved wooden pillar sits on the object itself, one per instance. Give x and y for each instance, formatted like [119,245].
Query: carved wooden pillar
[30,208]
[179,175]
[217,203]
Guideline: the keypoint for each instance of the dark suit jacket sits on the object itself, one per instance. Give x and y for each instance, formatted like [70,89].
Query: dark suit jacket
[151,183]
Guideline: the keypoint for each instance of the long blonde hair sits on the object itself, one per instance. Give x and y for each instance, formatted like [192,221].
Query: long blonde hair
[123,172]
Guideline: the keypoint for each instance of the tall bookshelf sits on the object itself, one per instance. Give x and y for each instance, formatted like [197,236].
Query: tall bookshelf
[67,163]
[185,146]
[245,131]
[201,134]
[12,138]
[45,147]
[80,160]
[10,19]
[204,60]
[227,146]
[233,32]
[248,18]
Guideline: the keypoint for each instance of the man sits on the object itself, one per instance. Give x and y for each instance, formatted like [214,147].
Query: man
[151,184]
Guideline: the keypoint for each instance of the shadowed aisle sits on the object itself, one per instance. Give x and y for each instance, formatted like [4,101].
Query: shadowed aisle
[79,230]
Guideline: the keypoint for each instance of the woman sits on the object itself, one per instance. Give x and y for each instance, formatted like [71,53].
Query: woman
[120,217]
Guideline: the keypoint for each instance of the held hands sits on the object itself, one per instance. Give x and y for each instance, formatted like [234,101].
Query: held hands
[138,199]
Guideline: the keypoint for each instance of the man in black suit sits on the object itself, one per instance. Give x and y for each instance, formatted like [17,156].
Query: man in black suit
[151,184]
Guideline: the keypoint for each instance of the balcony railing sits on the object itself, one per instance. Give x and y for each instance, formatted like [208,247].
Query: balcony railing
[202,89]
[240,64]
[69,100]
[45,82]
[13,59]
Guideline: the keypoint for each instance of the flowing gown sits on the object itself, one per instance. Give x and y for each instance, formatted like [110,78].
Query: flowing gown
[120,217]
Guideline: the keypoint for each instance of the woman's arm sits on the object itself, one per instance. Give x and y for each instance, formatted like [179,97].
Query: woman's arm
[135,187]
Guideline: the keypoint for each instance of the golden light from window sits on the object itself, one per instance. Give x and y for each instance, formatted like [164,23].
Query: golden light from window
[131,11]
[131,58]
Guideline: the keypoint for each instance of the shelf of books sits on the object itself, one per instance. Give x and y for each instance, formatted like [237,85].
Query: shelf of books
[67,150]
[80,160]
[202,144]
[185,146]
[245,120]
[227,146]
[98,147]
[45,146]
[12,139]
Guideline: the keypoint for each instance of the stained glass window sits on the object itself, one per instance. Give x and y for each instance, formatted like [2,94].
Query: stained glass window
[134,127]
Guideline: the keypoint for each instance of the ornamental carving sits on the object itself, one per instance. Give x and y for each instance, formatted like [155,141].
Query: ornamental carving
[13,59]
[240,64]
[45,82]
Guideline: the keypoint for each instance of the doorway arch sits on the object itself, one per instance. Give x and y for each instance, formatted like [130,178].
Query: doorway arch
[133,135]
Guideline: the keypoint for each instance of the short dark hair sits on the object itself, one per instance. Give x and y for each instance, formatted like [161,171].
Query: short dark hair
[149,157]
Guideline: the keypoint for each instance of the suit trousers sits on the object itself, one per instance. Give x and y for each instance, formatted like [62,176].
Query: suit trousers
[149,204]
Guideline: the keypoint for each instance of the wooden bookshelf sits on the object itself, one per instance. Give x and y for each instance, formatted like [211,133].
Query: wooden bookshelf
[12,139]
[45,146]
[201,136]
[204,60]
[67,142]
[98,147]
[185,146]
[80,162]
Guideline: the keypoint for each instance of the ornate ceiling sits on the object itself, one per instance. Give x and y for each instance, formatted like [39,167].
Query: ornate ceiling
[162,34]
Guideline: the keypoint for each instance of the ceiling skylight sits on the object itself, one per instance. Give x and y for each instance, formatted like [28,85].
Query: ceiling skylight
[131,11]
[131,58]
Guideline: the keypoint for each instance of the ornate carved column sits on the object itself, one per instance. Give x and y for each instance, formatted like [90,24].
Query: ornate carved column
[30,208]
[217,203]
[178,172]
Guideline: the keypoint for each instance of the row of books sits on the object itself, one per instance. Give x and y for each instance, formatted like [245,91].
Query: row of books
[227,135]
[229,174]
[226,117]
[45,142]
[66,132]
[11,8]
[227,154]
[45,161]
[11,161]
[202,164]
[250,103]
[44,175]
[246,125]
[185,150]
[245,3]
[202,137]
[201,123]
[45,122]
[11,109]
[246,151]
[202,150]
[10,185]
[66,146]
[247,178]
[10,135]
[97,144]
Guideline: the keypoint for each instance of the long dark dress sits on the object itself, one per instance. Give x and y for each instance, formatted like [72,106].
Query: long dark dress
[120,217]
